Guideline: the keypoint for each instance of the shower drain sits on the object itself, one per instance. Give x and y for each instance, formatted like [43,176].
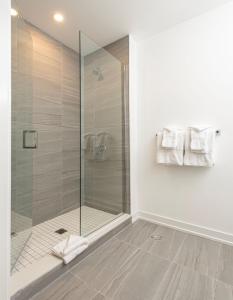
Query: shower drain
[61,231]
[156,237]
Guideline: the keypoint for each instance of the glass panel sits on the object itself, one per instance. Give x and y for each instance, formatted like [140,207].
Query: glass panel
[102,136]
[24,139]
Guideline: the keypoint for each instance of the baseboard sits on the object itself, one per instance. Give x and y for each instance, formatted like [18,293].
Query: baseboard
[201,231]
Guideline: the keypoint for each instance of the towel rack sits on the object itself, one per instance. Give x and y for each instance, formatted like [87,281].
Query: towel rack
[217,132]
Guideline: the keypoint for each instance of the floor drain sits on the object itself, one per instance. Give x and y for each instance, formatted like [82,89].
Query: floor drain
[156,237]
[61,231]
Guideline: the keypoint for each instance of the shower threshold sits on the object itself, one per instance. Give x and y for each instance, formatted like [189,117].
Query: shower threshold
[32,267]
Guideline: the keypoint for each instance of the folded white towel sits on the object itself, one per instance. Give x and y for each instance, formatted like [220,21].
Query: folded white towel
[70,247]
[199,138]
[169,139]
[171,156]
[68,258]
[202,158]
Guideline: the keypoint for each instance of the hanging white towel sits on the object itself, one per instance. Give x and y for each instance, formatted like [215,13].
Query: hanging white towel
[69,248]
[171,156]
[102,146]
[169,139]
[199,138]
[204,157]
[89,146]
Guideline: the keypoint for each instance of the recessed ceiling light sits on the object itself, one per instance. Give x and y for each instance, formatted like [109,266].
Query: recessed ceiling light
[58,17]
[14,12]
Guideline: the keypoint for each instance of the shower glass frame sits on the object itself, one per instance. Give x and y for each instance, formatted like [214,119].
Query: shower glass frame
[22,155]
[104,183]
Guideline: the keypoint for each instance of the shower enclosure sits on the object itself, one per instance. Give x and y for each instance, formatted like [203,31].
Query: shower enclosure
[70,142]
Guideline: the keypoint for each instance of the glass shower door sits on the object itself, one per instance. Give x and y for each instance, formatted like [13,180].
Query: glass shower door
[24,139]
[102,127]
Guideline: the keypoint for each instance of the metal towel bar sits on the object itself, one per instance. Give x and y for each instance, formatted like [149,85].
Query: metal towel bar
[218,132]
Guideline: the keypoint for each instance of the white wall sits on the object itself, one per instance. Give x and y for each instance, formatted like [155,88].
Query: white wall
[186,77]
[4,147]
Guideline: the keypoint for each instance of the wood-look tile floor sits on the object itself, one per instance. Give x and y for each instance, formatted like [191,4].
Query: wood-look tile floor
[146,261]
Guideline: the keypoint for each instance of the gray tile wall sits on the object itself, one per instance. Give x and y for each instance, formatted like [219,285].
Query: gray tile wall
[120,50]
[51,108]
[56,118]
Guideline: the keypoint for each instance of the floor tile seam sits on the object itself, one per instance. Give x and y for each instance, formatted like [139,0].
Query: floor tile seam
[50,285]
[75,276]
[181,247]
[123,229]
[173,236]
[171,243]
[196,271]
[115,273]
[163,278]
[218,263]
[215,289]
[91,253]
[84,282]
[141,247]
[134,250]
[215,283]
[213,279]
[225,283]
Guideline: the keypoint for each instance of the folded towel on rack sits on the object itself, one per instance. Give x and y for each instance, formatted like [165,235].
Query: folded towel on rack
[205,157]
[199,138]
[169,139]
[69,248]
[171,156]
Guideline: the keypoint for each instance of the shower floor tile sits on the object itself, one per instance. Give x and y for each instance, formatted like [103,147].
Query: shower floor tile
[44,237]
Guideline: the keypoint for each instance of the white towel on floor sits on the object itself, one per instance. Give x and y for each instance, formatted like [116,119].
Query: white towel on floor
[69,248]
[199,138]
[169,139]
[171,156]
[200,158]
[68,258]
